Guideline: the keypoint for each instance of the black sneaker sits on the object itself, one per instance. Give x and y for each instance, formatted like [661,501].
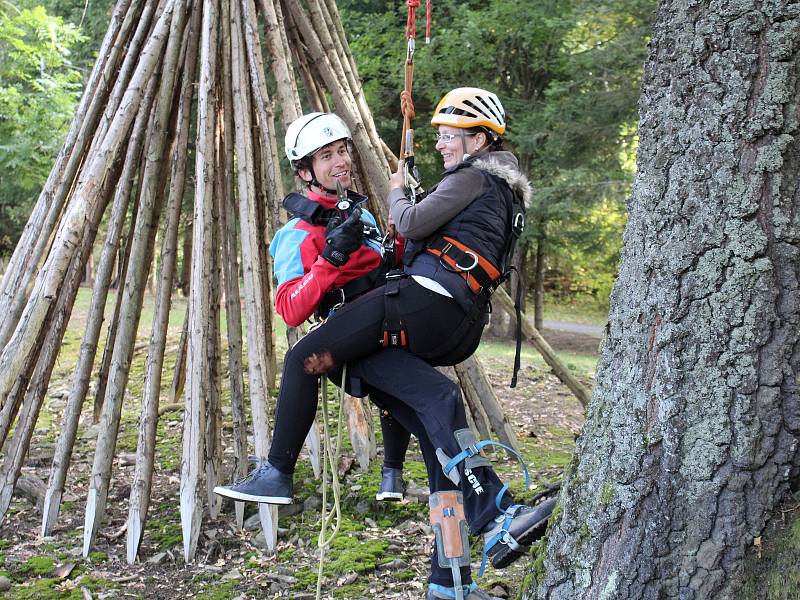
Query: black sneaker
[392,485]
[264,484]
[528,524]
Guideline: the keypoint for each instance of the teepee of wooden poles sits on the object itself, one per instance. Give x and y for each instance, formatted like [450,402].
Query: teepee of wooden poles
[179,106]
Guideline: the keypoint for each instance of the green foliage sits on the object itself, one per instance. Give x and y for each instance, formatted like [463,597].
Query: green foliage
[39,87]
[569,80]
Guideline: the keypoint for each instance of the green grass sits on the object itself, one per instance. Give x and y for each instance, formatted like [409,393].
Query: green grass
[578,308]
[774,574]
[582,365]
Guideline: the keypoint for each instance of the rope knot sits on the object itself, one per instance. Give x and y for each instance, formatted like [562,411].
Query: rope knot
[407,104]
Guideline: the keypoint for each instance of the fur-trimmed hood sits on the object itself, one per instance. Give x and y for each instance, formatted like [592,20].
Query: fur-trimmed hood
[503,164]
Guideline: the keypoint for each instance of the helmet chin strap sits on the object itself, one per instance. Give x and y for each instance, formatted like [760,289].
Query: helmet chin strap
[464,147]
[316,183]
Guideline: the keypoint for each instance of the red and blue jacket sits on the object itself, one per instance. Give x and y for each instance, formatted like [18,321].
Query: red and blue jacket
[303,276]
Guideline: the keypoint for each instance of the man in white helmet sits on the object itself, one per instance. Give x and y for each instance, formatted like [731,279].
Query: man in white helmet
[328,253]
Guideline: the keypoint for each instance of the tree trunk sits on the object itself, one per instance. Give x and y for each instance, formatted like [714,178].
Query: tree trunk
[691,439]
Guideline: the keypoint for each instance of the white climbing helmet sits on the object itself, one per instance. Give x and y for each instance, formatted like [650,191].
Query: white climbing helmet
[311,132]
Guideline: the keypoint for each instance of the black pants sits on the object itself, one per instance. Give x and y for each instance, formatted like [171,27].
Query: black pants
[429,405]
[352,333]
[422,400]
[395,440]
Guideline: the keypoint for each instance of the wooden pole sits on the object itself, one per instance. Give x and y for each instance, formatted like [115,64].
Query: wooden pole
[230,266]
[141,258]
[476,386]
[145,451]
[254,302]
[530,332]
[213,448]
[18,447]
[197,369]
[94,323]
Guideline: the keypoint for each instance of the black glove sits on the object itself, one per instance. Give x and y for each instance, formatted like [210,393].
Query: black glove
[343,240]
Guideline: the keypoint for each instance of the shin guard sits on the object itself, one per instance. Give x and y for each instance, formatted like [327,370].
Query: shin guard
[450,527]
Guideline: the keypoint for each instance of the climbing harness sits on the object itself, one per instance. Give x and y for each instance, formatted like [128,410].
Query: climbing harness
[330,457]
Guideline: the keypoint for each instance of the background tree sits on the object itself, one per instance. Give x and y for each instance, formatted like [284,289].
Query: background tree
[39,87]
[569,81]
[691,438]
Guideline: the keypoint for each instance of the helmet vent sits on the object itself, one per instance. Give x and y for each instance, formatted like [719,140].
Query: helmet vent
[452,110]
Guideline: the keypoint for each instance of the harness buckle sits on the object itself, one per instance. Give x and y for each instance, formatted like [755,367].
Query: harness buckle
[474,263]
[396,274]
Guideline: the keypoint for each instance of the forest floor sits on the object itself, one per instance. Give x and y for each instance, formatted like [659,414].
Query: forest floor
[382,549]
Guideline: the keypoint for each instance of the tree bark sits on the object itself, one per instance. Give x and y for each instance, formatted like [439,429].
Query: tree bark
[691,439]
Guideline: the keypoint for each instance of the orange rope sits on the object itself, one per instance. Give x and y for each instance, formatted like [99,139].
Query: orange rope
[406,101]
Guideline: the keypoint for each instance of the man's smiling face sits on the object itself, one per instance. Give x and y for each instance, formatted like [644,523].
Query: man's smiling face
[331,163]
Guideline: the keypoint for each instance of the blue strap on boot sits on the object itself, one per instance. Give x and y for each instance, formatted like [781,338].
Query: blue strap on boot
[451,592]
[474,449]
[502,536]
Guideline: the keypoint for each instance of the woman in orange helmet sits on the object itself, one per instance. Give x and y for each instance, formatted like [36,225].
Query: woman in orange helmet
[458,244]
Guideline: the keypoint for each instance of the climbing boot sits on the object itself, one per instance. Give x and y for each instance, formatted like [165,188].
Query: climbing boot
[392,484]
[264,484]
[470,592]
[508,537]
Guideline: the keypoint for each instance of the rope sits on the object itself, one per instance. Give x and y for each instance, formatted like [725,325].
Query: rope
[330,456]
[411,21]
[406,101]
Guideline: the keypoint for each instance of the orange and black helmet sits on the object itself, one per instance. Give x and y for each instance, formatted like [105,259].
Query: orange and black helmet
[470,107]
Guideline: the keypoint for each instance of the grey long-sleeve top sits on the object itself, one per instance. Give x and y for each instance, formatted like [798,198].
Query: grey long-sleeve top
[455,192]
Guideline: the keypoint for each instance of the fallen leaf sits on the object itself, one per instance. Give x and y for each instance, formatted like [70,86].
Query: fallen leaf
[63,571]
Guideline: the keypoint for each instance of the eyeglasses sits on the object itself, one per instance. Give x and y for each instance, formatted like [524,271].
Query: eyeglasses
[449,137]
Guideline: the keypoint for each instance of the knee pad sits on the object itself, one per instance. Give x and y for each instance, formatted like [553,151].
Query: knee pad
[450,527]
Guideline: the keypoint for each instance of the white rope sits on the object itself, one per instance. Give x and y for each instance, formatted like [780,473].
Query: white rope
[330,457]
